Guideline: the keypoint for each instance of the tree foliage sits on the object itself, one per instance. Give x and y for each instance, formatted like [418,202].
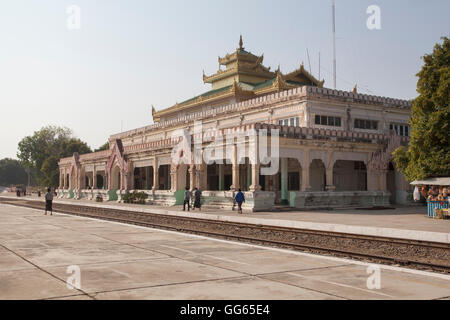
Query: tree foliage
[103,147]
[429,148]
[42,151]
[12,173]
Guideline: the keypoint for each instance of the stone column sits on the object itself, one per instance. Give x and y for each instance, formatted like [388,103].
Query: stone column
[254,161]
[106,182]
[305,171]
[284,181]
[130,180]
[94,178]
[60,179]
[329,177]
[155,175]
[235,171]
[305,179]
[372,180]
[200,176]
[174,178]
[382,180]
[255,178]
[103,181]
[192,178]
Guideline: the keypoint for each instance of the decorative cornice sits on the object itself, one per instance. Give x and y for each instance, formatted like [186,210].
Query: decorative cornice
[85,157]
[258,102]
[378,158]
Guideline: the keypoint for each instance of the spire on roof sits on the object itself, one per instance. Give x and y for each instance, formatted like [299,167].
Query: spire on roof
[355,89]
[241,43]
[278,69]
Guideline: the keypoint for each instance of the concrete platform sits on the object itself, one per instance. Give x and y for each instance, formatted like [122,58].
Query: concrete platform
[119,261]
[400,222]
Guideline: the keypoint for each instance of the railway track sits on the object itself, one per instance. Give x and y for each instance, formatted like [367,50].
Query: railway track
[423,255]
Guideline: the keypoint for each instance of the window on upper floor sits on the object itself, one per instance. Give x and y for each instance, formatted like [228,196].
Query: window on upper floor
[401,129]
[366,124]
[327,121]
[294,122]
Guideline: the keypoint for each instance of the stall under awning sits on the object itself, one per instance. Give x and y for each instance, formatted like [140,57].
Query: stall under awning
[441,181]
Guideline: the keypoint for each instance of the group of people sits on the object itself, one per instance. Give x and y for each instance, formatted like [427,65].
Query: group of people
[239,198]
[20,192]
[188,195]
[433,193]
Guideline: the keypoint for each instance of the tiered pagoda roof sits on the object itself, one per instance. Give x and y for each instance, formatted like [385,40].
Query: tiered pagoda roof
[244,77]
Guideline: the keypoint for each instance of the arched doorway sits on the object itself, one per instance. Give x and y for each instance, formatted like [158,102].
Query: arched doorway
[350,175]
[317,175]
[164,182]
[100,182]
[143,178]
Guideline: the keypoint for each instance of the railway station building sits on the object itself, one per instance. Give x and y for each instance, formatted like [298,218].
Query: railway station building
[330,148]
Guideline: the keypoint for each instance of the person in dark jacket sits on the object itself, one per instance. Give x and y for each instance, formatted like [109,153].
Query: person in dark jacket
[197,199]
[187,199]
[239,198]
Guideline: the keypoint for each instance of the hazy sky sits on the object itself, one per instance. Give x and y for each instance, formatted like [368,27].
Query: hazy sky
[131,54]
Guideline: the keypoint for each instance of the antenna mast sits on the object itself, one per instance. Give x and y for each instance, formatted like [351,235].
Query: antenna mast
[309,62]
[319,67]
[334,42]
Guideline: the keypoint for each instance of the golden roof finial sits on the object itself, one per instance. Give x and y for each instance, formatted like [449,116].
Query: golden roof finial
[279,82]
[153,110]
[241,43]
[355,89]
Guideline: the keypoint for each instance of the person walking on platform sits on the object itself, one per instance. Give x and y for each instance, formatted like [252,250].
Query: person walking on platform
[239,198]
[49,202]
[197,199]
[187,199]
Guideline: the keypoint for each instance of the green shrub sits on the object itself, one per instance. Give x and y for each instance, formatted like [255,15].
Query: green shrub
[128,198]
[141,197]
[135,197]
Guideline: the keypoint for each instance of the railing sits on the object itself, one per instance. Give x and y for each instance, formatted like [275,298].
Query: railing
[432,206]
